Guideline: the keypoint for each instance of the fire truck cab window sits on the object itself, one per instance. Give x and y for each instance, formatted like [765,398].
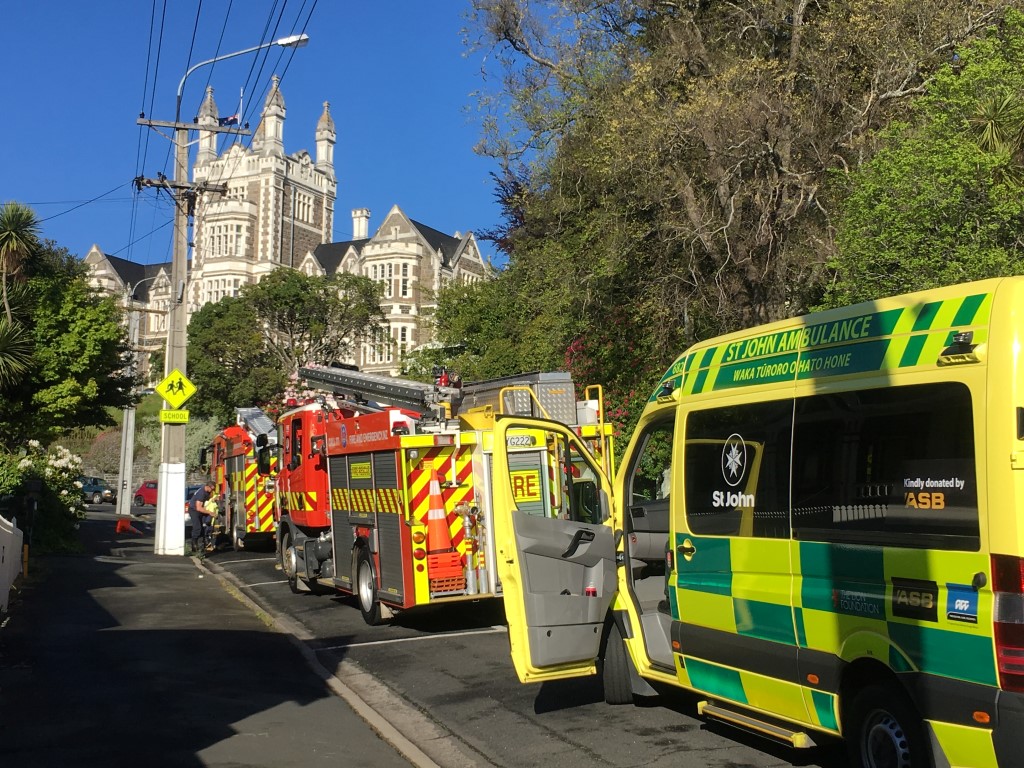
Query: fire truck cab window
[296,444]
[556,481]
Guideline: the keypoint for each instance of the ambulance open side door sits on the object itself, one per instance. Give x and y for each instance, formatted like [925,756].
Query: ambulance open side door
[555,545]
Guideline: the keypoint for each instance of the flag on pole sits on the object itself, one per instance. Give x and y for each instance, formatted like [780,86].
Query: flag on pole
[232,120]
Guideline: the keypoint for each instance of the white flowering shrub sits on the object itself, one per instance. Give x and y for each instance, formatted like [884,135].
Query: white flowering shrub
[49,478]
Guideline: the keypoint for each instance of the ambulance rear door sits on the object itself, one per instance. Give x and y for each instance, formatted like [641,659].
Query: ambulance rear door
[555,545]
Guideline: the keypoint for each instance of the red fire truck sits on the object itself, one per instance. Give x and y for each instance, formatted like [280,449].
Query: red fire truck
[385,492]
[247,496]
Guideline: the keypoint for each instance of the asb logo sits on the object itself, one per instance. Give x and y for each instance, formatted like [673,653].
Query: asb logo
[734,459]
[344,437]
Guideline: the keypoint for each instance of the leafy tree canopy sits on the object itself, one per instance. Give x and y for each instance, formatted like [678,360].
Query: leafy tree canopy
[672,171]
[253,345]
[942,201]
[231,366]
[308,318]
[79,352]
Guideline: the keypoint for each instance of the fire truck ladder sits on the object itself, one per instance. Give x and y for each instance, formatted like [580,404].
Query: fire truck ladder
[360,386]
[257,423]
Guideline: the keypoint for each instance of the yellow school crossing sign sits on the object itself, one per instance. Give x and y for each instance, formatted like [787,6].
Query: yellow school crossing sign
[176,389]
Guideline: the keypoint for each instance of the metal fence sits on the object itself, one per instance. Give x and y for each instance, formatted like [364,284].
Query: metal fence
[10,557]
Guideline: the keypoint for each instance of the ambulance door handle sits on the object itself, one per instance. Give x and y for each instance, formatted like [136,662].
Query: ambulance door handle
[581,535]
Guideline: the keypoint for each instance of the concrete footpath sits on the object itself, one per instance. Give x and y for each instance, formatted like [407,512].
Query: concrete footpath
[121,657]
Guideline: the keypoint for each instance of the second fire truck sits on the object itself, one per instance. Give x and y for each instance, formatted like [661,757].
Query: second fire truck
[392,502]
[247,496]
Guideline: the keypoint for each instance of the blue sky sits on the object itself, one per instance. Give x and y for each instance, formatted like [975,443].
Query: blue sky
[396,73]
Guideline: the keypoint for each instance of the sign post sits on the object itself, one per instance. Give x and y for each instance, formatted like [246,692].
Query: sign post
[175,389]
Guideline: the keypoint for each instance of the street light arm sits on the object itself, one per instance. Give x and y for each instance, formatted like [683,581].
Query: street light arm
[292,41]
[131,289]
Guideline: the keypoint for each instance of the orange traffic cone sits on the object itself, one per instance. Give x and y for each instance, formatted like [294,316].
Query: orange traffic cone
[124,525]
[444,563]
[439,537]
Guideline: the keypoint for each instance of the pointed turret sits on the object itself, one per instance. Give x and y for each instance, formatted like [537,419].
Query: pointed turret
[270,134]
[325,138]
[207,139]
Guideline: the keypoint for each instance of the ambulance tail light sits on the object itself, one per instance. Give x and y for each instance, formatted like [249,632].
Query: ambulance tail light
[1008,618]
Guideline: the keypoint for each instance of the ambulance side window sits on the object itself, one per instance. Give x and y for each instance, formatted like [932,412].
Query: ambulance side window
[893,465]
[647,492]
[650,475]
[736,470]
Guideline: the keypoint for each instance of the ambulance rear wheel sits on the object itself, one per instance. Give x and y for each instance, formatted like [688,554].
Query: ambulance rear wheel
[615,669]
[366,588]
[883,730]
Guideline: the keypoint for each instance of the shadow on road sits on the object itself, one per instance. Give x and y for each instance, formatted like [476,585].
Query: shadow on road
[118,655]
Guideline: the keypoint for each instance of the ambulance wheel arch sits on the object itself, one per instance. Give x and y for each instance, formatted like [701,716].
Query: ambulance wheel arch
[879,722]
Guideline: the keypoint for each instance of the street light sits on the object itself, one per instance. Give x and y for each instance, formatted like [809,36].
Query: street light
[170,532]
[292,41]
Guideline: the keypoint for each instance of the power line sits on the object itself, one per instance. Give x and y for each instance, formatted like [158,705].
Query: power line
[143,237]
[75,208]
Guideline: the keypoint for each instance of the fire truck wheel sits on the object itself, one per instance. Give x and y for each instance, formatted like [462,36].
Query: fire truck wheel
[288,561]
[615,669]
[366,588]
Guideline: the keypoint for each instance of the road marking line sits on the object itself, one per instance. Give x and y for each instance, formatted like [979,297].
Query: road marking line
[488,631]
[247,560]
[267,583]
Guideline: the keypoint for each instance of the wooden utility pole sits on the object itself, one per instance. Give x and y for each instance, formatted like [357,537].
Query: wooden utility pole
[170,530]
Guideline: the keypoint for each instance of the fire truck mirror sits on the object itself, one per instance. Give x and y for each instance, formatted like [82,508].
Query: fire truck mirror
[202,458]
[265,459]
[261,440]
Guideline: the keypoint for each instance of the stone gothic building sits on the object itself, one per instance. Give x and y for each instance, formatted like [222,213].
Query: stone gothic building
[278,211]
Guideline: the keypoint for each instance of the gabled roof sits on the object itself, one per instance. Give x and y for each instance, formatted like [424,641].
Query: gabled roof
[438,240]
[132,273]
[330,254]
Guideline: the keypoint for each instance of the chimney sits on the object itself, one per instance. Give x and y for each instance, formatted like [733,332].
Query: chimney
[360,223]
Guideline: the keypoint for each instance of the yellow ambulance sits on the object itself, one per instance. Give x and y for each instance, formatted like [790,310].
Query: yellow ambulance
[817,526]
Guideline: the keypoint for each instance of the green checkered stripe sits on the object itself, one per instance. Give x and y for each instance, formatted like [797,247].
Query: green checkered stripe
[826,572]
[891,339]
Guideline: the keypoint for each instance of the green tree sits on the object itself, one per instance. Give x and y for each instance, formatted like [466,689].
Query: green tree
[79,354]
[15,352]
[199,433]
[672,170]
[19,240]
[231,364]
[942,202]
[312,319]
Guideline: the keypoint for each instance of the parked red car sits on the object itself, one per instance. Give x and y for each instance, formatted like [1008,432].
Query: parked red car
[145,494]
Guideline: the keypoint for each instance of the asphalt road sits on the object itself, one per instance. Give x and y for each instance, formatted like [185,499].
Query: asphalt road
[449,684]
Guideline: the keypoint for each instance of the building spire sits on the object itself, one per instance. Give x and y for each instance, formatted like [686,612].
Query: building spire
[207,139]
[270,134]
[325,138]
